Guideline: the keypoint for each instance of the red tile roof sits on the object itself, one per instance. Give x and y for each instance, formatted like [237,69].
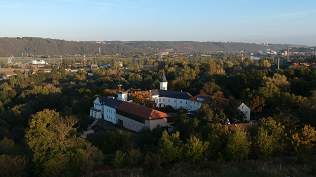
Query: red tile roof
[243,126]
[142,111]
[199,95]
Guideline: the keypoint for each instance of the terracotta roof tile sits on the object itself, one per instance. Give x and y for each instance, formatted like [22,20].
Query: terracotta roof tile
[142,111]
[233,127]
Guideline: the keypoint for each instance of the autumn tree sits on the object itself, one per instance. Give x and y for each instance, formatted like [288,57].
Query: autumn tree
[210,88]
[143,99]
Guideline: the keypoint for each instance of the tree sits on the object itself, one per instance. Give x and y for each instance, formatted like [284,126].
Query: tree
[194,149]
[118,159]
[238,146]
[165,148]
[13,165]
[180,83]
[7,146]
[217,136]
[143,99]
[264,143]
[133,157]
[210,88]
[170,147]
[56,149]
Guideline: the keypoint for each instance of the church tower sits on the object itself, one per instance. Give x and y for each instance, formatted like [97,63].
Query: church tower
[163,82]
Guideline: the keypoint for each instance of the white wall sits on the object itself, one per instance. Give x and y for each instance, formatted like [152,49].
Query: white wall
[175,103]
[109,114]
[122,96]
[163,85]
[131,124]
[154,122]
[194,106]
[245,109]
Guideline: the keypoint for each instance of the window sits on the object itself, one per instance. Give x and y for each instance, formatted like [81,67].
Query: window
[180,102]
[175,101]
[159,99]
[163,99]
[186,102]
[169,100]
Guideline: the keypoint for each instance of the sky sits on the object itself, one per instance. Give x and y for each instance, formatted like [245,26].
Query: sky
[257,21]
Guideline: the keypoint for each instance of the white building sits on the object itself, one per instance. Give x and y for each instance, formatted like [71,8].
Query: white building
[197,101]
[110,109]
[38,62]
[119,110]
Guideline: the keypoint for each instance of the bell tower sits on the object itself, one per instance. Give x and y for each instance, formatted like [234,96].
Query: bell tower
[163,82]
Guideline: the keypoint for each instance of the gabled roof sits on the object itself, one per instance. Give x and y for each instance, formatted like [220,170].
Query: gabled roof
[142,111]
[202,95]
[103,100]
[113,103]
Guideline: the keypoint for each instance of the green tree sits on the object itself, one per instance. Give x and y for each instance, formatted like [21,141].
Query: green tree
[56,150]
[194,149]
[238,146]
[165,148]
[263,143]
[118,159]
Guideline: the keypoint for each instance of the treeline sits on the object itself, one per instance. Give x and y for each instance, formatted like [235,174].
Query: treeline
[203,47]
[29,46]
[41,114]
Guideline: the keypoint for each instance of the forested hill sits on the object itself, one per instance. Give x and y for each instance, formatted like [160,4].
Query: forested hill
[41,46]
[190,46]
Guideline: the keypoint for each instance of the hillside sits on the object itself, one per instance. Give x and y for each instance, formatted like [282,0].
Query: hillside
[41,46]
[190,46]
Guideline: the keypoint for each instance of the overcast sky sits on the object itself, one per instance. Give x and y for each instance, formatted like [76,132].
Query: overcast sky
[259,21]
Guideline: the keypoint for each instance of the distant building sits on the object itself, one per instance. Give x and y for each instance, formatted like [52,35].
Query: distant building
[38,62]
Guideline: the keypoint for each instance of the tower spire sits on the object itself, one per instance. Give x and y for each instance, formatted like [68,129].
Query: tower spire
[163,82]
[163,78]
